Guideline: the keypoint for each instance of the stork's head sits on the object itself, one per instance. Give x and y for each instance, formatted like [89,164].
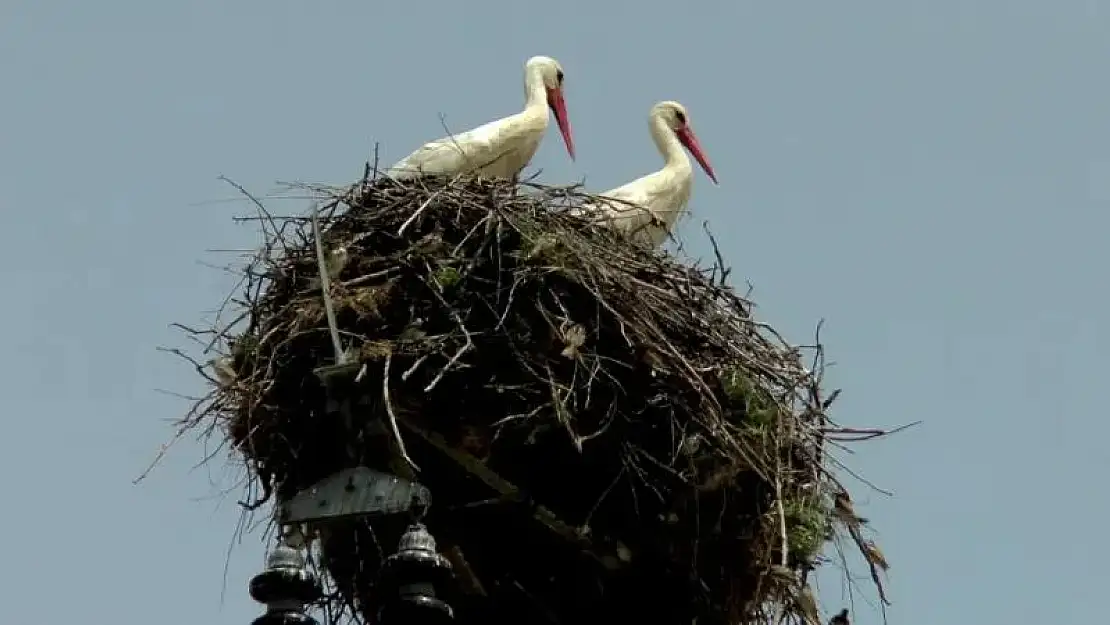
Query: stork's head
[678,120]
[551,73]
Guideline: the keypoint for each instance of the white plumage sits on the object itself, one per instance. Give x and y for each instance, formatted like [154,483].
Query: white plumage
[647,208]
[225,372]
[501,148]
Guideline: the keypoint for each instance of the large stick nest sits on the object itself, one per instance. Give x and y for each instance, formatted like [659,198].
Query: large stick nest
[645,450]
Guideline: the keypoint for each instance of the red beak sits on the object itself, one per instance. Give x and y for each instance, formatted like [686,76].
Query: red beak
[559,107]
[688,139]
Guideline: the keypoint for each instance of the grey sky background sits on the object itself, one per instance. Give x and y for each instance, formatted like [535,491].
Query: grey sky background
[932,178]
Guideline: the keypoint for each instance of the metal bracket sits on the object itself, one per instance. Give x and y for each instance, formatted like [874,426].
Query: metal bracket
[357,492]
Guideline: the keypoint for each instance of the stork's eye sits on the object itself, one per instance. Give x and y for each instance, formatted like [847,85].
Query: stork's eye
[681,117]
[559,76]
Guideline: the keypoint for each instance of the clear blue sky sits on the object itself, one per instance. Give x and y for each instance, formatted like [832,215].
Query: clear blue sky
[930,177]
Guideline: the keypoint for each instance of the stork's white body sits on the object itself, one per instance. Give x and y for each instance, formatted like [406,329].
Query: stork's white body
[498,149]
[647,208]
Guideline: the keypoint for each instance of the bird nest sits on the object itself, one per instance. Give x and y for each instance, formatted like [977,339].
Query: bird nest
[606,432]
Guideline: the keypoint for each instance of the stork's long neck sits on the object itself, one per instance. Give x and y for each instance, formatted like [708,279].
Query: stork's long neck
[669,146]
[535,94]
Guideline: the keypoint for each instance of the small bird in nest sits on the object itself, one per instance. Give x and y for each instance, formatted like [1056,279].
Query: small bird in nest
[842,506]
[841,618]
[336,261]
[572,336]
[224,371]
[874,556]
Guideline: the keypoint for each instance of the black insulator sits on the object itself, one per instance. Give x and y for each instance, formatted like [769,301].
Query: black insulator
[413,581]
[286,588]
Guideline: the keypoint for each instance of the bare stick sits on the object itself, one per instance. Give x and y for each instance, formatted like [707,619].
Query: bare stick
[392,416]
[325,286]
[416,213]
[461,351]
[411,370]
[262,212]
[782,520]
[450,363]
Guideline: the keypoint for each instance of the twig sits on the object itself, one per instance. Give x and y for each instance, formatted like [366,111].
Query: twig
[462,350]
[868,433]
[720,266]
[411,370]
[417,213]
[393,416]
[782,521]
[262,212]
[325,286]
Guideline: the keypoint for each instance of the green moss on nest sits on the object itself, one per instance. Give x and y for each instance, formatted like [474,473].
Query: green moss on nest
[447,277]
[755,407]
[808,528]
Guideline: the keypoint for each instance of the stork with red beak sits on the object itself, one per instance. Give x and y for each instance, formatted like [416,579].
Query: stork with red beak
[501,148]
[647,208]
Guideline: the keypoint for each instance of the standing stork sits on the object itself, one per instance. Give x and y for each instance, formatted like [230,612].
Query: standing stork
[501,148]
[647,208]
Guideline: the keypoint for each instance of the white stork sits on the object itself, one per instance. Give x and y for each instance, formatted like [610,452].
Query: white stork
[649,206]
[501,148]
